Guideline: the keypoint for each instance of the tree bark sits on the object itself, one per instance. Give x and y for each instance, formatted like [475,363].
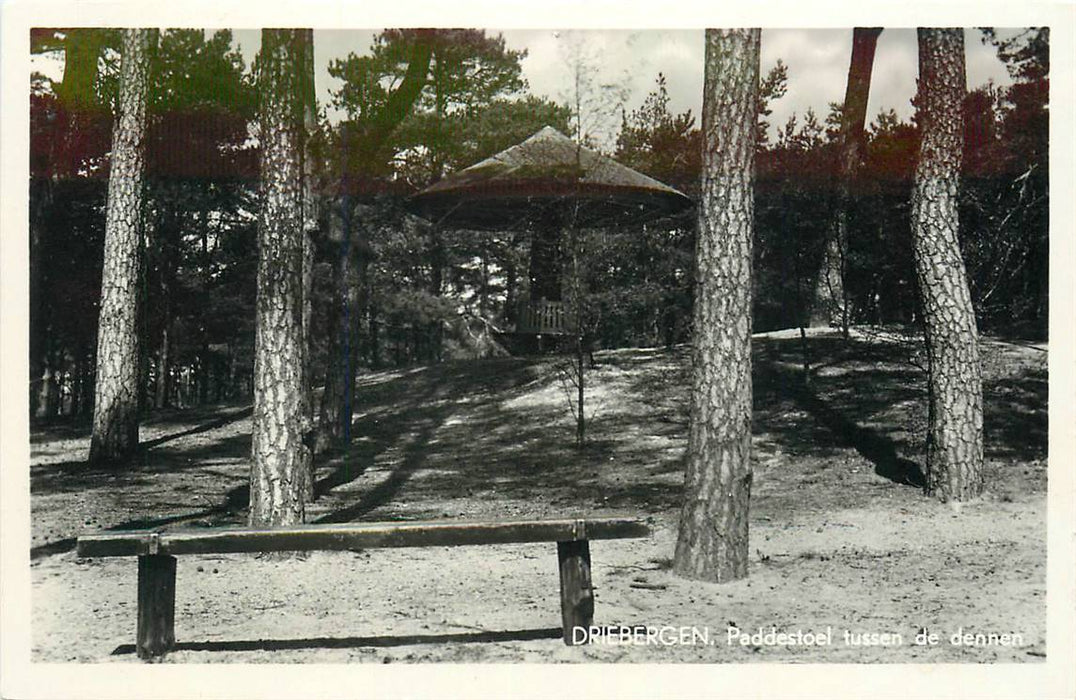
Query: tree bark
[343,326]
[310,229]
[831,300]
[115,417]
[712,540]
[954,458]
[278,480]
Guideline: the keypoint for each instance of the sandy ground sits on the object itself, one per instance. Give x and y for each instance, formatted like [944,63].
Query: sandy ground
[840,542]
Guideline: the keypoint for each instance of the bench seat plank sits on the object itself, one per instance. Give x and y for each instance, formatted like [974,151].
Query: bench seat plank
[345,536]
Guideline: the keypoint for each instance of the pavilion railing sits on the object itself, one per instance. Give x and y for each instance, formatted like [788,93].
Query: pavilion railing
[544,317]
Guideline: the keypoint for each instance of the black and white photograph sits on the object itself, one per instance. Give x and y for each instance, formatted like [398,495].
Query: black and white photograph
[468,354]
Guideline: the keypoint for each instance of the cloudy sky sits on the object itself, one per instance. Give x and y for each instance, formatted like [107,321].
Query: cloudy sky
[817,62]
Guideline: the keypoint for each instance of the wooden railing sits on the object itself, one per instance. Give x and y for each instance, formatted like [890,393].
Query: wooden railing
[544,318]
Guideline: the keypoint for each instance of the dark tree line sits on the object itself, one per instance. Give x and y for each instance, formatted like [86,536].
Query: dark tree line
[408,280]
[196,284]
[642,294]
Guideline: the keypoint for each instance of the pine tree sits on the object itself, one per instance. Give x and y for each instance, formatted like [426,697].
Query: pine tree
[374,116]
[278,456]
[955,440]
[831,299]
[115,418]
[712,540]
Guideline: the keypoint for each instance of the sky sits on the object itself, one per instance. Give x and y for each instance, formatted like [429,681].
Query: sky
[817,61]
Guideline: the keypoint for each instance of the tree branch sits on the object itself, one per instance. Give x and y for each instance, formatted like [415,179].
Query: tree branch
[401,100]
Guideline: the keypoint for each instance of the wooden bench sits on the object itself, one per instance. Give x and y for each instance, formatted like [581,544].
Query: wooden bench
[157,550]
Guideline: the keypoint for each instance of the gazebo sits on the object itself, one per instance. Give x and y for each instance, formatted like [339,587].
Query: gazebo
[548,185]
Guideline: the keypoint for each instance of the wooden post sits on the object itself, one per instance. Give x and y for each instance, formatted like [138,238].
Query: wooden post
[156,605]
[576,593]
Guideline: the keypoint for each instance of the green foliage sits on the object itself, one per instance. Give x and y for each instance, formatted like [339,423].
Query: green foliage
[793,203]
[1005,198]
[83,86]
[469,73]
[198,253]
[662,145]
[772,86]
[639,277]
[492,127]
[423,279]
[1004,206]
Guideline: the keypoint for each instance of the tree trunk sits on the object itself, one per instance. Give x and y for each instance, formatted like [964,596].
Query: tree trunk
[41,199]
[831,299]
[164,370]
[310,227]
[343,322]
[712,540]
[336,405]
[115,417]
[42,371]
[373,320]
[202,364]
[233,390]
[81,382]
[954,377]
[54,382]
[578,302]
[278,482]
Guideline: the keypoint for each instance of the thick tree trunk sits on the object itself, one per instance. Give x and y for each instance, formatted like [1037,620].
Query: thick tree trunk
[831,300]
[278,480]
[955,438]
[712,540]
[115,417]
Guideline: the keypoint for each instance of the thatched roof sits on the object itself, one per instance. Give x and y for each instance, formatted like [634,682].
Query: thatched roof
[547,174]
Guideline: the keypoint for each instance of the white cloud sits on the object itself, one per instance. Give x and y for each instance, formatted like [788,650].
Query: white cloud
[817,62]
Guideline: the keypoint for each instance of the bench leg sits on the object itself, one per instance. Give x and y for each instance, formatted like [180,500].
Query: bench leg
[576,593]
[156,605]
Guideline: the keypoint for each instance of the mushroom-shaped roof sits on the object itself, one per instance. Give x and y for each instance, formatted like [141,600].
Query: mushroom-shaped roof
[547,173]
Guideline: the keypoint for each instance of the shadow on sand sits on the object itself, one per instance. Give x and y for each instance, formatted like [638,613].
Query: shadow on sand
[779,379]
[360,642]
